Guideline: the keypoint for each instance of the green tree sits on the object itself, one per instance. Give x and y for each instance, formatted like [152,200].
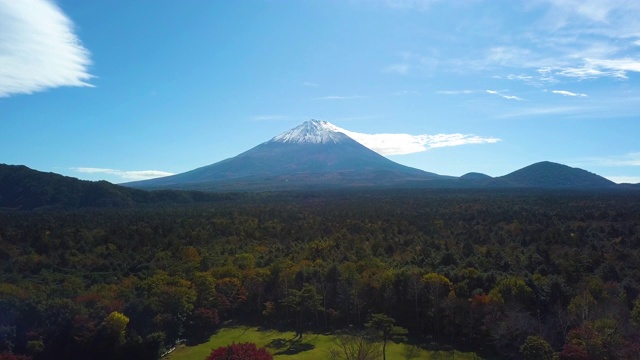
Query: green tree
[635,313]
[438,286]
[354,347]
[536,348]
[305,302]
[114,326]
[386,329]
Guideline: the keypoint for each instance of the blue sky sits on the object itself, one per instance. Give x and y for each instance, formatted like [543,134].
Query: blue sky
[128,90]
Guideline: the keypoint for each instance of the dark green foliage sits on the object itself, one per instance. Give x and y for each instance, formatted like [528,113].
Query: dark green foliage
[536,348]
[26,189]
[386,329]
[482,269]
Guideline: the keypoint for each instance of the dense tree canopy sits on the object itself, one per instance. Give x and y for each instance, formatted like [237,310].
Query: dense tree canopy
[490,270]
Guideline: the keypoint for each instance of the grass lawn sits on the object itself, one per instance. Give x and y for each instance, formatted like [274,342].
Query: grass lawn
[312,346]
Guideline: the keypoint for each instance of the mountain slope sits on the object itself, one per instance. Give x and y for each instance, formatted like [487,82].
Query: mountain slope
[22,188]
[310,155]
[552,175]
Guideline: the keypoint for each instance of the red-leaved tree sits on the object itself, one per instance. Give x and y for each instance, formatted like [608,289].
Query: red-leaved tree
[244,351]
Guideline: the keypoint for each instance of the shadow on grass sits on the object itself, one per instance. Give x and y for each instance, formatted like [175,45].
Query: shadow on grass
[289,347]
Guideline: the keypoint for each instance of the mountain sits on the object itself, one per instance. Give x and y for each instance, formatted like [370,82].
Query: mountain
[22,188]
[552,175]
[312,155]
[474,176]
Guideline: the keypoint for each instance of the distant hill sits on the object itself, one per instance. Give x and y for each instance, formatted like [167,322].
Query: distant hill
[475,176]
[552,175]
[23,188]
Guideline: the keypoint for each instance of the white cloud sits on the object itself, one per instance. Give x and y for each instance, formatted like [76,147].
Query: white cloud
[411,62]
[537,111]
[508,97]
[596,68]
[411,4]
[336,97]
[406,92]
[401,144]
[308,83]
[401,69]
[123,174]
[594,10]
[573,39]
[455,92]
[519,77]
[38,48]
[568,93]
[624,179]
[629,159]
[567,12]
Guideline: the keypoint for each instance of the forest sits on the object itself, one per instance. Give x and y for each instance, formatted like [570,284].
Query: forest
[481,270]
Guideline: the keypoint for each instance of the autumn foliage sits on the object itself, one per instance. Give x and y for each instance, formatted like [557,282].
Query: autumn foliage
[482,269]
[244,351]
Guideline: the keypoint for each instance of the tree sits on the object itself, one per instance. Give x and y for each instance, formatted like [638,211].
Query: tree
[110,335]
[438,287]
[635,313]
[354,347]
[385,326]
[202,322]
[536,348]
[304,302]
[114,325]
[230,294]
[243,351]
[10,356]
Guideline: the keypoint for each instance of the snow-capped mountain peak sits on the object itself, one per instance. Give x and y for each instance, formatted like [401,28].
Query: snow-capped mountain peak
[312,132]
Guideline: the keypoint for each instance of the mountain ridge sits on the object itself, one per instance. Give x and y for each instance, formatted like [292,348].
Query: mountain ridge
[23,188]
[312,156]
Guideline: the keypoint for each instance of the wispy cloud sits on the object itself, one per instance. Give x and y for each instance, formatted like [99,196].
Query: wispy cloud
[406,93]
[269,117]
[309,83]
[572,40]
[499,93]
[124,174]
[542,110]
[629,159]
[624,179]
[38,48]
[567,12]
[410,4]
[596,68]
[401,144]
[401,68]
[568,93]
[411,62]
[337,97]
[455,92]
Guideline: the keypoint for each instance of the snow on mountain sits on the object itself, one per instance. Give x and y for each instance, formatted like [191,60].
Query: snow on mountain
[312,132]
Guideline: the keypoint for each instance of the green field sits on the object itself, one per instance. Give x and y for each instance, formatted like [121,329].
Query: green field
[312,346]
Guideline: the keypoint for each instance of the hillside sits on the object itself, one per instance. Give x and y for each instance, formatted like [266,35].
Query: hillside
[552,175]
[22,188]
